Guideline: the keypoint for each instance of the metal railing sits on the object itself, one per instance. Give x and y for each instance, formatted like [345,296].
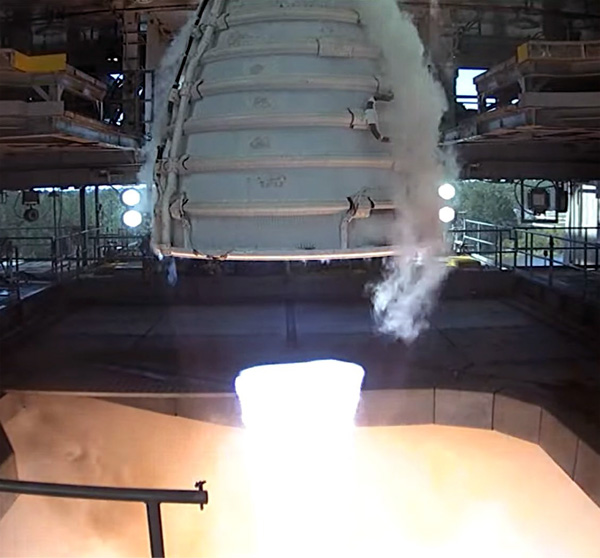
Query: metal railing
[52,259]
[150,497]
[534,249]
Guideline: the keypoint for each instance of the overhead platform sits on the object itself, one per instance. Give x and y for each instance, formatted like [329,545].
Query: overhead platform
[46,125]
[54,111]
[539,116]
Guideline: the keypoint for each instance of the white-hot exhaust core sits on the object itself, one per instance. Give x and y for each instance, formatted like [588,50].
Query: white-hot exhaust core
[300,450]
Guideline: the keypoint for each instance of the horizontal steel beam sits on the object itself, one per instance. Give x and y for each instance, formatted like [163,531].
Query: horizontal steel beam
[547,170]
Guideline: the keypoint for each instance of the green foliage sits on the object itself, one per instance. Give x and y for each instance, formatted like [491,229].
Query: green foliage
[489,202]
[59,217]
[67,218]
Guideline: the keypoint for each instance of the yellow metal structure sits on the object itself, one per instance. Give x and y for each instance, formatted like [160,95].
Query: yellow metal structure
[42,64]
[463,262]
[522,53]
[558,51]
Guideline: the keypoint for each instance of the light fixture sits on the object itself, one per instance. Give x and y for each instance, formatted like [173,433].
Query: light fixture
[31,215]
[132,218]
[447,214]
[131,197]
[447,191]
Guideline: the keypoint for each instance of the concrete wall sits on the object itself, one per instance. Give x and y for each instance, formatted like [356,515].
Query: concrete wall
[575,448]
[8,462]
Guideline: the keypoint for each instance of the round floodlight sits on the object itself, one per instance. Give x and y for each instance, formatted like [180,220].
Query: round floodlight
[131,197]
[132,218]
[447,214]
[447,191]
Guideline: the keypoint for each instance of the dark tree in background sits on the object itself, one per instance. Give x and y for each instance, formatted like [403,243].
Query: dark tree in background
[489,202]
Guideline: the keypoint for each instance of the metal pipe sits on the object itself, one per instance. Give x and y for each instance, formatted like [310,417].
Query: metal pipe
[355,118]
[269,210]
[182,109]
[301,82]
[193,165]
[293,255]
[157,545]
[89,492]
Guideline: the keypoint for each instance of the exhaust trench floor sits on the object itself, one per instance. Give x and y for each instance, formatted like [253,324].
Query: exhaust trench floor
[422,490]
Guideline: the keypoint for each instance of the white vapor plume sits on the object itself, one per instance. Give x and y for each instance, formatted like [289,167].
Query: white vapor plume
[403,299]
[164,79]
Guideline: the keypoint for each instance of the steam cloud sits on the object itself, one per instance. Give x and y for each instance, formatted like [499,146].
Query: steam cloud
[163,81]
[404,297]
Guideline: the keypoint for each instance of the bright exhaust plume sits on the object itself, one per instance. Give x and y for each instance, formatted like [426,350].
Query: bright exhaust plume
[422,491]
[300,421]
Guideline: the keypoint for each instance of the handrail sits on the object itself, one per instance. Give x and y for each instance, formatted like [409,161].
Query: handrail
[152,498]
[528,248]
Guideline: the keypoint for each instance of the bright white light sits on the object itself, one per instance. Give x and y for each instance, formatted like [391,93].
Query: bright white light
[299,422]
[447,214]
[132,218]
[131,197]
[447,191]
[331,389]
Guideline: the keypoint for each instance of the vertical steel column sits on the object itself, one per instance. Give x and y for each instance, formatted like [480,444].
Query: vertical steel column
[54,195]
[83,225]
[54,244]
[157,547]
[97,223]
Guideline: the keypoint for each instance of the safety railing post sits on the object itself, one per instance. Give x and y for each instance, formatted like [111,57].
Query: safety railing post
[585,266]
[157,547]
[17,274]
[516,250]
[551,274]
[54,257]
[500,250]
